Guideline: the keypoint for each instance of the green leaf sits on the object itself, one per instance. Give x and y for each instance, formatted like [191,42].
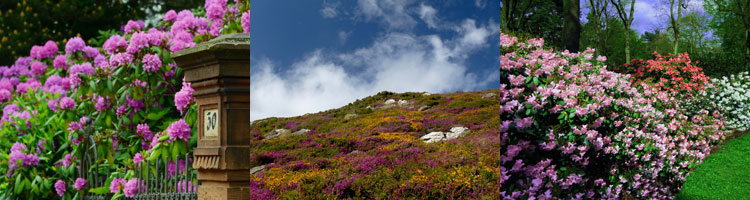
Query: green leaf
[163,137]
[19,187]
[156,116]
[155,154]
[100,190]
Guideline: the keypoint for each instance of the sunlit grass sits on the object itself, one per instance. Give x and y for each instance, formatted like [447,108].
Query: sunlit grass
[725,174]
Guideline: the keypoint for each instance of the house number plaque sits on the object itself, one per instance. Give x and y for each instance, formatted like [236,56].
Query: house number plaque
[211,122]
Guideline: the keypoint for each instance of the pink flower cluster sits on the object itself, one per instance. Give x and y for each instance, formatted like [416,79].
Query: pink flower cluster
[60,187]
[570,128]
[17,155]
[183,97]
[79,184]
[47,51]
[246,22]
[116,185]
[132,187]
[179,130]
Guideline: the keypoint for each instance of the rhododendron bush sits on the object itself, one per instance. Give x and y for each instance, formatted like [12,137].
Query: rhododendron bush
[129,93]
[674,74]
[731,96]
[570,128]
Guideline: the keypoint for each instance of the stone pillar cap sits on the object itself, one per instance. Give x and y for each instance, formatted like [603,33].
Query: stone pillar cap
[240,41]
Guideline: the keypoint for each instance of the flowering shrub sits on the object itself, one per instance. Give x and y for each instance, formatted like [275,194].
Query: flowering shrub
[676,75]
[570,128]
[121,92]
[378,154]
[731,96]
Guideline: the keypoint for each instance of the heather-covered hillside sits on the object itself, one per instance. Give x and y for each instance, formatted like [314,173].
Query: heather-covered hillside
[371,149]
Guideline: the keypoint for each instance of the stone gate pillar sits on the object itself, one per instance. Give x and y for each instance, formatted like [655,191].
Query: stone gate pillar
[219,71]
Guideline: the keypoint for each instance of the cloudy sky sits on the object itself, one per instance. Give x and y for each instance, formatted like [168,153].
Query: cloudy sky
[310,56]
[650,14]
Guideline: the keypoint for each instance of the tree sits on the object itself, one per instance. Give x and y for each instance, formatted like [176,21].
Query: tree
[675,23]
[598,18]
[535,18]
[627,20]
[694,27]
[572,27]
[732,13]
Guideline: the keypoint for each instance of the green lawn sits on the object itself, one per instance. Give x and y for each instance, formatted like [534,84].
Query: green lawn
[725,174]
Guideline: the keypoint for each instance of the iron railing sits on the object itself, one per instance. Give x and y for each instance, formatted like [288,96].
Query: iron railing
[153,183]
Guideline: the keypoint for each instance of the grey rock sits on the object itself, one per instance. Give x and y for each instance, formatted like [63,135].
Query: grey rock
[390,101]
[426,94]
[433,137]
[440,136]
[350,116]
[489,95]
[257,169]
[301,131]
[402,102]
[456,132]
[423,108]
[277,133]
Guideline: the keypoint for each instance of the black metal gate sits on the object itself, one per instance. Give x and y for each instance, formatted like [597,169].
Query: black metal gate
[154,179]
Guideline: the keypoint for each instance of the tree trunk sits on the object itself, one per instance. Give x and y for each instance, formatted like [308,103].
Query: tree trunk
[627,44]
[747,47]
[503,16]
[677,28]
[572,27]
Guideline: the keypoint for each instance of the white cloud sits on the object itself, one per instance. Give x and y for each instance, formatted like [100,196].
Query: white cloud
[480,3]
[397,62]
[329,10]
[393,13]
[343,35]
[473,35]
[427,14]
[648,16]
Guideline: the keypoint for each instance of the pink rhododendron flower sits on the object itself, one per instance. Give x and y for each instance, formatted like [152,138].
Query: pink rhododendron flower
[60,187]
[179,130]
[215,9]
[116,185]
[67,103]
[38,68]
[170,16]
[245,22]
[131,187]
[138,158]
[4,95]
[132,26]
[120,59]
[601,58]
[183,97]
[79,184]
[114,43]
[516,80]
[138,41]
[151,63]
[74,44]
[60,62]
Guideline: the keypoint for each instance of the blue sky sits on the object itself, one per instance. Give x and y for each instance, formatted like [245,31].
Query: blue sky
[651,14]
[309,56]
